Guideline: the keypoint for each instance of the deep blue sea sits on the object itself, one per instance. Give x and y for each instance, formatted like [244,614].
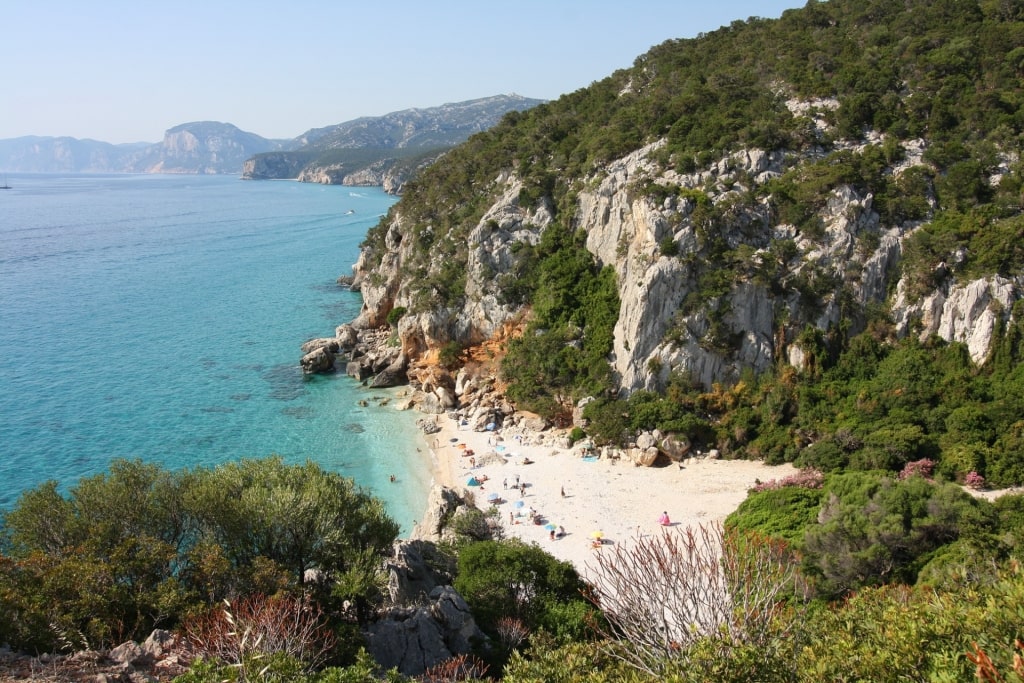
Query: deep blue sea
[160,317]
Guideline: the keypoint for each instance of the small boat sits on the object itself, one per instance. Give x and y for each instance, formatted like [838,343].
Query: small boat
[5,186]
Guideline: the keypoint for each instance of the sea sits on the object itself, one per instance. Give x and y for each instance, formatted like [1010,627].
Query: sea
[160,317]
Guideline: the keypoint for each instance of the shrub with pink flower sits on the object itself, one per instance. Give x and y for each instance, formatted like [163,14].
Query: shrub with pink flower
[923,467]
[975,481]
[808,479]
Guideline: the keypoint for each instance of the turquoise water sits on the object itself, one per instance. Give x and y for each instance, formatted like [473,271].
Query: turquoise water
[160,317]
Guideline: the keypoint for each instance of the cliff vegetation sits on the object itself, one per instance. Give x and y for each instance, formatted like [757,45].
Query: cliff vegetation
[761,239]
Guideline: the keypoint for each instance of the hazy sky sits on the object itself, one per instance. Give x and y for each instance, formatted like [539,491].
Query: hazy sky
[127,70]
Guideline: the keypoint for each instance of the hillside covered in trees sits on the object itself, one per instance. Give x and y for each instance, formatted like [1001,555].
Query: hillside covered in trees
[793,239]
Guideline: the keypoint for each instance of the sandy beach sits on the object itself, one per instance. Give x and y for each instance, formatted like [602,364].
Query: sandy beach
[583,496]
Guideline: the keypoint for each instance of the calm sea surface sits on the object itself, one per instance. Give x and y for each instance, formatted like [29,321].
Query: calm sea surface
[160,317]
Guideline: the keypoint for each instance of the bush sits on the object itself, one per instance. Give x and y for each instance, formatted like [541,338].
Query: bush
[141,547]
[502,579]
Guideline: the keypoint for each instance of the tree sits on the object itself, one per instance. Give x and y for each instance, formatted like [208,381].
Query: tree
[511,579]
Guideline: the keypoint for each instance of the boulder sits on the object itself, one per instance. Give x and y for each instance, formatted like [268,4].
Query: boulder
[645,457]
[536,423]
[127,653]
[393,375]
[388,377]
[428,425]
[347,336]
[318,360]
[431,405]
[159,643]
[645,440]
[356,370]
[412,640]
[676,447]
[329,343]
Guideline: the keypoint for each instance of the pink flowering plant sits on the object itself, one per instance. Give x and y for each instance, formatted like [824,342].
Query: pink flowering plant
[807,478]
[975,481]
[923,467]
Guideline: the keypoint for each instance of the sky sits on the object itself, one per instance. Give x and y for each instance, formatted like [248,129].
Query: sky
[127,70]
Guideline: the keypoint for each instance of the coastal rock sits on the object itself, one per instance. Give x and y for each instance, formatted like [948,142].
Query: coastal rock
[675,446]
[391,376]
[644,457]
[645,440]
[329,343]
[319,360]
[412,640]
[356,370]
[447,511]
[431,404]
[428,426]
[347,336]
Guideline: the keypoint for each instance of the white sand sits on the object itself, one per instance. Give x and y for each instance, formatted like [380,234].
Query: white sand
[613,496]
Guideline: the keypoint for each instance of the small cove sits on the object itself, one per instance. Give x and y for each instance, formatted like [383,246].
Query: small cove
[160,318]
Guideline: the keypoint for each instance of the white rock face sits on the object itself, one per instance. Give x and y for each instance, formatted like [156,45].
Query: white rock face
[965,313]
[655,246]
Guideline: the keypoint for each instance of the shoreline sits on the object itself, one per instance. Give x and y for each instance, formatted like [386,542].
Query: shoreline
[615,497]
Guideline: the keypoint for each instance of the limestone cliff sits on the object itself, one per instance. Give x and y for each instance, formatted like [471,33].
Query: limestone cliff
[664,324]
[754,212]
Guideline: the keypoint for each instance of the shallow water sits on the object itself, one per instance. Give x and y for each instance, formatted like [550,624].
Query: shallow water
[160,317]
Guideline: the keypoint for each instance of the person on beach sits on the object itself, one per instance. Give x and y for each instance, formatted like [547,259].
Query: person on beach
[563,492]
[552,535]
[504,484]
[517,481]
[663,519]
[561,531]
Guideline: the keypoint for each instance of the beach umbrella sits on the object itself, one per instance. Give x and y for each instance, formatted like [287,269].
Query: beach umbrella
[491,497]
[453,439]
[520,504]
[472,482]
[550,527]
[597,534]
[491,426]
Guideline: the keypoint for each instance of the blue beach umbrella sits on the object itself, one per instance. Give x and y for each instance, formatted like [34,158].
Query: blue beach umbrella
[520,504]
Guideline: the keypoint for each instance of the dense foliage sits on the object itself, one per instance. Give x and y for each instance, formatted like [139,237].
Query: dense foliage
[555,361]
[865,404]
[944,76]
[142,547]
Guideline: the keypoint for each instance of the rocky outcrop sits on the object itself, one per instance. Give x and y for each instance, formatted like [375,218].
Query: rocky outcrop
[161,657]
[413,639]
[415,569]
[366,353]
[968,313]
[784,278]
[443,505]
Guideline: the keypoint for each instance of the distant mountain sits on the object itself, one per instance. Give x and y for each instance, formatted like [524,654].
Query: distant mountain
[383,150]
[34,154]
[391,147]
[203,147]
